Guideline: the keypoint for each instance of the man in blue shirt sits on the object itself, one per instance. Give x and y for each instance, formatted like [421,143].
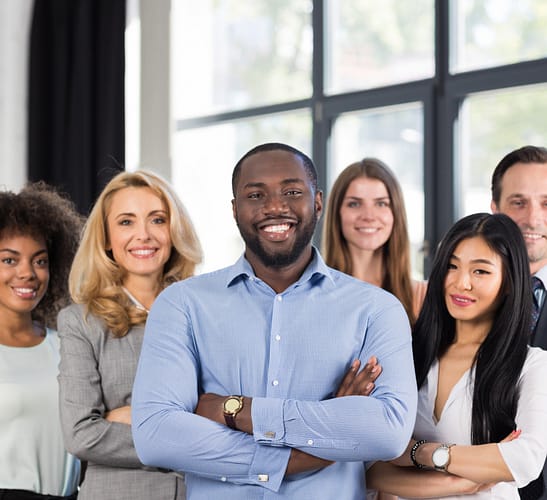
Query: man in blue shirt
[238,375]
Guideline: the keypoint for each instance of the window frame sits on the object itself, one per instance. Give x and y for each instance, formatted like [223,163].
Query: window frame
[441,97]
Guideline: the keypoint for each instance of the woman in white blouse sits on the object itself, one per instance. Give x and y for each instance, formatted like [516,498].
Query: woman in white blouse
[482,405]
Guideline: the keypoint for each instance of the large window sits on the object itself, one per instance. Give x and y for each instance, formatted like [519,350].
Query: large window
[370,44]
[440,90]
[488,33]
[499,105]
[493,123]
[233,55]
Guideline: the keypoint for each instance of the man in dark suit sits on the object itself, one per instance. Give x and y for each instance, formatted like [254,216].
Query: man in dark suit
[519,190]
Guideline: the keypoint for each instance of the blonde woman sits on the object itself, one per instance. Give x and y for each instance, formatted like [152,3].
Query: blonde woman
[138,240]
[365,232]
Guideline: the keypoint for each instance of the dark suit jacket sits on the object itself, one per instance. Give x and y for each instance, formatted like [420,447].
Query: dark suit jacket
[539,335]
[539,339]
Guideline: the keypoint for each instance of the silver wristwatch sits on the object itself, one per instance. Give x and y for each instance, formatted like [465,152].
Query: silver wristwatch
[441,457]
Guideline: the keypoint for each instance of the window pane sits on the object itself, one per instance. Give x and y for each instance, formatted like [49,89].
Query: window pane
[491,125]
[203,160]
[488,33]
[395,136]
[370,44]
[235,54]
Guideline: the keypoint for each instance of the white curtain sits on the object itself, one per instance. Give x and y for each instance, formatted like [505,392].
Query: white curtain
[15,18]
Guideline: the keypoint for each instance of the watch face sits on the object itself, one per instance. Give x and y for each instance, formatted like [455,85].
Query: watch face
[440,457]
[232,405]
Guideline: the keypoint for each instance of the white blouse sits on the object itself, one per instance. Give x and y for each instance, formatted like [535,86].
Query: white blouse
[32,454]
[525,455]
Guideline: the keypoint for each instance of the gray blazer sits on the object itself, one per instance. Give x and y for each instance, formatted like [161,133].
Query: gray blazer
[96,375]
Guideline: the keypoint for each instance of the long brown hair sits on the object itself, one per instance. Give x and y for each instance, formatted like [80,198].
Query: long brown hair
[396,251]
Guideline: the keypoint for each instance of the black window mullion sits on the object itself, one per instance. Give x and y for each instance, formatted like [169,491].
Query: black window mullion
[439,141]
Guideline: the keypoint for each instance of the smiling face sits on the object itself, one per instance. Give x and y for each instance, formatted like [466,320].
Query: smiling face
[473,281]
[276,208]
[366,217]
[24,273]
[138,233]
[523,197]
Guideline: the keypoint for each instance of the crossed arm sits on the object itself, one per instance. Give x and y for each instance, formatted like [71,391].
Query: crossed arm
[90,432]
[356,382]
[472,468]
[519,457]
[176,365]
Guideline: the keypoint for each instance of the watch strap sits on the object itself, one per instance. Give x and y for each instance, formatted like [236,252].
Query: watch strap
[230,420]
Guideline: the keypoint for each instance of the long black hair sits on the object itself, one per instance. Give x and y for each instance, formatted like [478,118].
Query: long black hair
[500,358]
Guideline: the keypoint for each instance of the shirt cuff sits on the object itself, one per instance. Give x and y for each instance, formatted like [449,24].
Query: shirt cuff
[268,423]
[269,466]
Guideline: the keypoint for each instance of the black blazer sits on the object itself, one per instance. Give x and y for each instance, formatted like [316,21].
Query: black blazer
[539,335]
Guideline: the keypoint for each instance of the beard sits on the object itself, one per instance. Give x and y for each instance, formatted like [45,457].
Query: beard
[285,258]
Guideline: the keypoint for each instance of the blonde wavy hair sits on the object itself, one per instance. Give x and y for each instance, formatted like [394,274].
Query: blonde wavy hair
[396,251]
[95,279]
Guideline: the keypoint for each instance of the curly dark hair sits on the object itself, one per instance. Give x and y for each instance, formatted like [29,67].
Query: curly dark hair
[40,211]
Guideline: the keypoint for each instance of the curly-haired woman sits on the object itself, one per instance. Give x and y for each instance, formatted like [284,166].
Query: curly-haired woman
[39,231]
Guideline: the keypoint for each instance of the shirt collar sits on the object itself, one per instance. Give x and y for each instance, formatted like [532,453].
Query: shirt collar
[316,268]
[542,275]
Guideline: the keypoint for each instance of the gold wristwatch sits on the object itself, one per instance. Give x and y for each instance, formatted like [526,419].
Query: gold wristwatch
[231,407]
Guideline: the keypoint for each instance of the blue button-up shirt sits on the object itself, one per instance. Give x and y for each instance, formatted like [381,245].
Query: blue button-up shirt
[228,332]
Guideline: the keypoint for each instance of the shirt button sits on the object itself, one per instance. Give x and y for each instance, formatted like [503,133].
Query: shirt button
[263,478]
[223,479]
[310,441]
[278,337]
[269,434]
[279,298]
[275,382]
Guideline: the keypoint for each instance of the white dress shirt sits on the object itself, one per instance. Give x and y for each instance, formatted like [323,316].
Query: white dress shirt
[525,455]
